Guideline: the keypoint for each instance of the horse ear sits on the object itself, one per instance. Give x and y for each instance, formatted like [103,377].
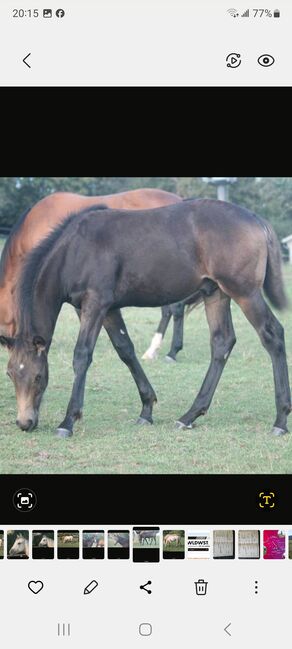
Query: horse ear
[40,344]
[5,341]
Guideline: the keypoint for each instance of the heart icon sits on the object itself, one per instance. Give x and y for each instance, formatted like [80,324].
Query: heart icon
[35,586]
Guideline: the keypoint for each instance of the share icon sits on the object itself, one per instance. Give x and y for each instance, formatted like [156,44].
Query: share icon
[144,587]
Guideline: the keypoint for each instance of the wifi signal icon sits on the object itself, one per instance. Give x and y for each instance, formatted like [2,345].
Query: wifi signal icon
[233,12]
[245,14]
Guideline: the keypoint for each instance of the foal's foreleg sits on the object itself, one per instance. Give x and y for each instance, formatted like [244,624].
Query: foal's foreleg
[92,316]
[157,339]
[117,332]
[222,342]
[272,337]
[178,330]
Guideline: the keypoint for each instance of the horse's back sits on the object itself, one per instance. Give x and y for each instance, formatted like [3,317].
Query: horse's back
[53,209]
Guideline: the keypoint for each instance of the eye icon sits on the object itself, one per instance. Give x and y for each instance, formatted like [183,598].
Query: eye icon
[266,60]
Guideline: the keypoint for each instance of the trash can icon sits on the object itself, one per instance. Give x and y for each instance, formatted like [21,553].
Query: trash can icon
[201,587]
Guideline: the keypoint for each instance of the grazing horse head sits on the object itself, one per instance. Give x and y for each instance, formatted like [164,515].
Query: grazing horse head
[28,370]
[20,546]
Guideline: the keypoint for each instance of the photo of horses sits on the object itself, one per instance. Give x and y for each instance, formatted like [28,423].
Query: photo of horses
[68,544]
[173,544]
[1,544]
[146,544]
[43,544]
[17,544]
[145,325]
[118,542]
[93,544]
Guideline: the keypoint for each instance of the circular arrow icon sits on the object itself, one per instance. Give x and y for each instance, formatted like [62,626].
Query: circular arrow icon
[233,60]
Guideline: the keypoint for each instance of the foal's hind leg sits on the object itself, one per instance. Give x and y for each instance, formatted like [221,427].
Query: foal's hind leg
[272,337]
[222,342]
[117,332]
[157,339]
[178,331]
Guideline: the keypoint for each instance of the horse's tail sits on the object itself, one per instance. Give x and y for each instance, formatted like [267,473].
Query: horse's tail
[274,282]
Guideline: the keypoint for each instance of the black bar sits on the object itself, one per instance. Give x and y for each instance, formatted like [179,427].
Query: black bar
[191,500]
[42,553]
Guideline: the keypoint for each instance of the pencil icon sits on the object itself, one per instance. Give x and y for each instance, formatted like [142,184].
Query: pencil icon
[90,587]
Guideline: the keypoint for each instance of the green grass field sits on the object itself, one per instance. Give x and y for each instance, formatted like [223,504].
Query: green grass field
[232,438]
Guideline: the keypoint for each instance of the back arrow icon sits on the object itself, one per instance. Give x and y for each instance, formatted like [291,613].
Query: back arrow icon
[24,60]
[228,625]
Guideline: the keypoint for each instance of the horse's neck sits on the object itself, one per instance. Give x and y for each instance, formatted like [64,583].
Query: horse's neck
[47,300]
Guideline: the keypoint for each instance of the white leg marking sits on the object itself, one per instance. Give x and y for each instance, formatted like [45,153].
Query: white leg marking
[151,353]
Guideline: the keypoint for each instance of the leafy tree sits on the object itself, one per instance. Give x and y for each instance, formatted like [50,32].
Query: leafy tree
[268,197]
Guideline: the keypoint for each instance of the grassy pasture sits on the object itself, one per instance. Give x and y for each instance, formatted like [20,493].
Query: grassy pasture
[232,438]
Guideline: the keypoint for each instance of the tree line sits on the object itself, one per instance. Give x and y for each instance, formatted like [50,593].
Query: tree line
[268,197]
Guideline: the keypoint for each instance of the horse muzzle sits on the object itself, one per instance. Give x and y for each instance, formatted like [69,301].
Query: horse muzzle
[27,425]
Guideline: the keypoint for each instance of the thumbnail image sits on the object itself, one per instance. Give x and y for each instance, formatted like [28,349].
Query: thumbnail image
[119,544]
[290,544]
[224,544]
[68,544]
[17,544]
[43,544]
[274,544]
[199,544]
[173,544]
[1,544]
[146,544]
[93,544]
[248,544]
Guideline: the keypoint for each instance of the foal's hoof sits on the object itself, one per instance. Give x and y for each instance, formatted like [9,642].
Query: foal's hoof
[149,357]
[169,359]
[143,422]
[278,432]
[64,433]
[181,426]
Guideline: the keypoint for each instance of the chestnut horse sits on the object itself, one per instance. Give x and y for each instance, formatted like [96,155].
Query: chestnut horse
[101,261]
[37,222]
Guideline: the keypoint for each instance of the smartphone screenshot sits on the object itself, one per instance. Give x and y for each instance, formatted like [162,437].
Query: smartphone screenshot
[145,324]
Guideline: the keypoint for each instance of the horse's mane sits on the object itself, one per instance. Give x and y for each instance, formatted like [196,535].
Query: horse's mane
[37,256]
[6,250]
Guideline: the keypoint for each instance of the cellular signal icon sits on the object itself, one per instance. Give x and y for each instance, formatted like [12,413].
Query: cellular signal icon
[245,14]
[233,12]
